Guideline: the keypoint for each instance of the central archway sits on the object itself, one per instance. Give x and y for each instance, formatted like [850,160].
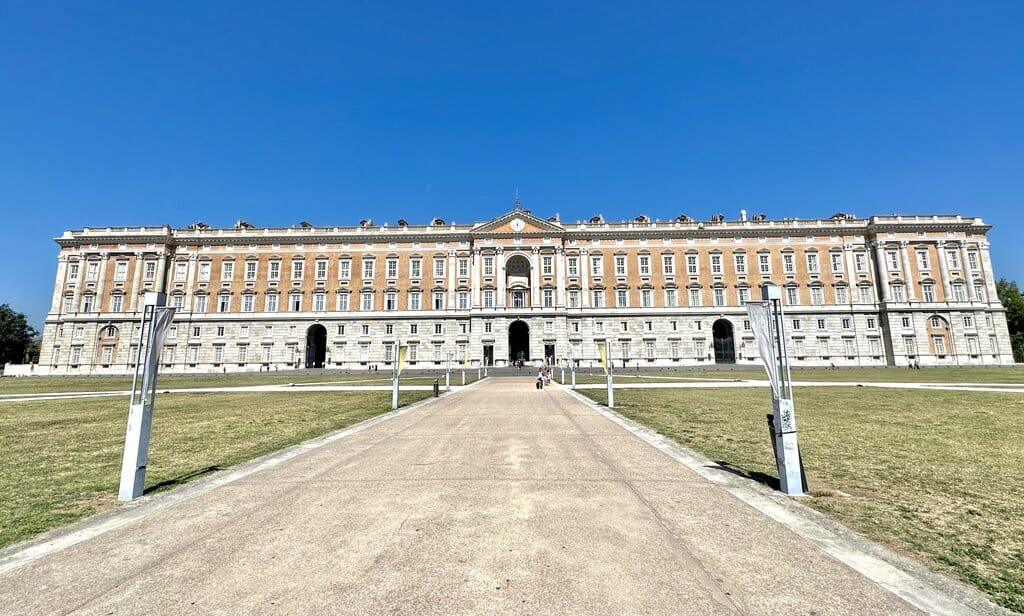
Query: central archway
[518,341]
[316,346]
[725,346]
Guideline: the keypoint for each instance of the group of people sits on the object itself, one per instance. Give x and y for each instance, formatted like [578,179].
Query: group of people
[543,377]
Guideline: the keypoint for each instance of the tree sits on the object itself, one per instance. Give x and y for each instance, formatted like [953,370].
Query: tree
[1013,302]
[15,335]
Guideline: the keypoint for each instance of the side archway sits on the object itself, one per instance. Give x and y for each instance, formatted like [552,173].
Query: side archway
[725,344]
[316,346]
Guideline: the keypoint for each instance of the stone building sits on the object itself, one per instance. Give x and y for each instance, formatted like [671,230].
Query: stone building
[885,290]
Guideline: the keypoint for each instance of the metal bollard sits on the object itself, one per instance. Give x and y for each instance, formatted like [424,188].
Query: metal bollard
[437,388]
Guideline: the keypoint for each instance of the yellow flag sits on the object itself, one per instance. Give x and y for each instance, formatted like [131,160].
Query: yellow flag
[403,352]
[602,350]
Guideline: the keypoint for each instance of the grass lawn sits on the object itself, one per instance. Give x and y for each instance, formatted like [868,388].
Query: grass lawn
[46,384]
[60,461]
[935,474]
[999,375]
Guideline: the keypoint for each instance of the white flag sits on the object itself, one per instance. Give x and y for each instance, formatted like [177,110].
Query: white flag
[761,324]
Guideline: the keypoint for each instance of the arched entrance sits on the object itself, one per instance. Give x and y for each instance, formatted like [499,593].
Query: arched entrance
[725,346]
[316,346]
[518,341]
[517,282]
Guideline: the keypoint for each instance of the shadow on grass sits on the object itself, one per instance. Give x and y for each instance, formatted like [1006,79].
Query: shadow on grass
[180,479]
[768,480]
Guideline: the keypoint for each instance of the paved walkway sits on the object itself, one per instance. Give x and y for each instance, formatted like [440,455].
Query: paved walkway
[495,499]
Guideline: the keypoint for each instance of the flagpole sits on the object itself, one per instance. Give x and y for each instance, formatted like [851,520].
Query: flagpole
[394,376]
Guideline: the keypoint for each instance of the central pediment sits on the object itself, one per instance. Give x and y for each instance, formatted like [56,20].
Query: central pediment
[517,221]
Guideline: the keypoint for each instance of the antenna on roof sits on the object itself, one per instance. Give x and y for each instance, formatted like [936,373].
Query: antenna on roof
[516,204]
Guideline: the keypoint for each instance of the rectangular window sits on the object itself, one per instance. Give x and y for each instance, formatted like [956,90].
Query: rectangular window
[365,329]
[243,331]
[247,301]
[92,271]
[438,300]
[743,294]
[817,296]
[415,300]
[321,269]
[860,262]
[149,272]
[968,321]
[821,323]
[716,264]
[573,266]
[668,264]
[270,304]
[796,323]
[391,300]
[823,347]
[928,292]
[488,298]
[845,323]
[218,354]
[646,298]
[488,327]
[792,296]
[959,292]
[268,331]
[463,299]
[623,326]
[673,349]
[719,295]
[598,297]
[227,270]
[871,323]
[788,263]
[319,302]
[764,263]
[620,265]
[295,302]
[368,266]
[622,298]
[837,262]
[893,259]
[972,260]
[973,348]
[649,349]
[392,268]
[979,292]
[692,265]
[367,302]
[671,298]
[415,268]
[414,329]
[223,303]
[298,269]
[848,347]
[897,293]
[841,295]
[488,266]
[120,271]
[345,269]
[439,268]
[599,327]
[695,297]
[740,261]
[866,296]
[939,342]
[438,329]
[267,352]
[923,262]
[549,298]
[698,349]
[73,271]
[464,268]
[200,303]
[117,302]
[812,263]
[596,266]
[953,258]
[274,270]
[574,299]
[645,265]
[243,353]
[546,265]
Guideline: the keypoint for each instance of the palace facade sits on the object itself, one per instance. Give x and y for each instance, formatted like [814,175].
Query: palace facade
[884,290]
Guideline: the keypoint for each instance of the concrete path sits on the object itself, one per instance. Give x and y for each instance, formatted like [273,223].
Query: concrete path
[495,499]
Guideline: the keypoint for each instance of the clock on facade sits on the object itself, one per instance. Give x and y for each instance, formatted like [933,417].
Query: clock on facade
[517,224]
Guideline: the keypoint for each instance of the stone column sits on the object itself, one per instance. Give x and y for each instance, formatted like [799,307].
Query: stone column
[133,303]
[101,283]
[58,288]
[535,277]
[883,276]
[161,272]
[943,269]
[560,277]
[908,277]
[584,278]
[83,267]
[965,267]
[986,267]
[499,271]
[190,276]
[475,281]
[452,280]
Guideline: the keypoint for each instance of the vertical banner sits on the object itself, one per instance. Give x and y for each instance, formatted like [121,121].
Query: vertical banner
[606,356]
[602,351]
[761,325]
[403,354]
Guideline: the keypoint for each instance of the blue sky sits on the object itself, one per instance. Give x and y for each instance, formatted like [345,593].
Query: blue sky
[125,114]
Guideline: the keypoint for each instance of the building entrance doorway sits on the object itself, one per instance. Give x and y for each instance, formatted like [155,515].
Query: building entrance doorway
[549,354]
[518,341]
[488,354]
[725,347]
[316,346]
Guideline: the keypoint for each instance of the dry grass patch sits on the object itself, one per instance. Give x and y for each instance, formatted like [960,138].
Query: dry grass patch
[60,460]
[935,474]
